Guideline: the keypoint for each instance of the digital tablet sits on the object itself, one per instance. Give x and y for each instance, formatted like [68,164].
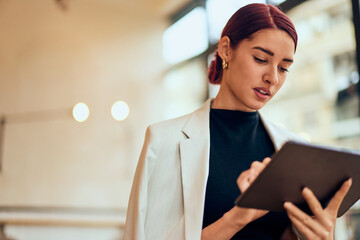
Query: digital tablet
[298,165]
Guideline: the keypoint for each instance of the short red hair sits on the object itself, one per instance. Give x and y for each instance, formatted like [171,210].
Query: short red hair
[246,21]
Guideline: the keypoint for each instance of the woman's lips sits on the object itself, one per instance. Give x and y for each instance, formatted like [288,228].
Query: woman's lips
[262,93]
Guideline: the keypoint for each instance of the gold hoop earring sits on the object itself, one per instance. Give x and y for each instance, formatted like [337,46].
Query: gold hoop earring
[224,64]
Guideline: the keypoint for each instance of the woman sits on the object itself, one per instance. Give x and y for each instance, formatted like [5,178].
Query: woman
[187,176]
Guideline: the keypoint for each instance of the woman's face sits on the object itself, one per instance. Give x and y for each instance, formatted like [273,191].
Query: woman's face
[257,69]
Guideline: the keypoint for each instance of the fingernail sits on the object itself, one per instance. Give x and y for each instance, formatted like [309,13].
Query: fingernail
[287,204]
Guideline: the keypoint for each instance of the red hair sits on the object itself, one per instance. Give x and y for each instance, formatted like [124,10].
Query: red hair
[246,21]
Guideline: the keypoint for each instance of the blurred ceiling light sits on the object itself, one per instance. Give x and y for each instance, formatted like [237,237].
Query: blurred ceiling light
[120,110]
[81,112]
[187,37]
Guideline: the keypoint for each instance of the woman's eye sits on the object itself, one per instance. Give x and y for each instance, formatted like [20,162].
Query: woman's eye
[282,69]
[260,60]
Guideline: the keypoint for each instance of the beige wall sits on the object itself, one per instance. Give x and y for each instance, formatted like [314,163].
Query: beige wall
[96,52]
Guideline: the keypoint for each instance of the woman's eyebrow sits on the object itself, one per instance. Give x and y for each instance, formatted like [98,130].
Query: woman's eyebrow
[272,54]
[264,50]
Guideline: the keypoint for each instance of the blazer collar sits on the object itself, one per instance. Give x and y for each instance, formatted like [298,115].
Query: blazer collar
[198,123]
[278,135]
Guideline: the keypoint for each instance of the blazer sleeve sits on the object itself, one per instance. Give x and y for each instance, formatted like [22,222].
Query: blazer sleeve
[137,207]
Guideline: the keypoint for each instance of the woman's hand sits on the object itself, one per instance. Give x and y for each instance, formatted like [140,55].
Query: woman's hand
[237,218]
[322,224]
[244,181]
[247,177]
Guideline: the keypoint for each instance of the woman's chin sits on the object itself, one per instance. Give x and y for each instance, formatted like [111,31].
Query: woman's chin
[256,106]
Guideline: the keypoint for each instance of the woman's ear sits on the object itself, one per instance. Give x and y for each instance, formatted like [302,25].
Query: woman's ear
[224,48]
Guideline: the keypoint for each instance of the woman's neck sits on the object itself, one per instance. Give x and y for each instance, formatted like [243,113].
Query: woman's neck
[223,101]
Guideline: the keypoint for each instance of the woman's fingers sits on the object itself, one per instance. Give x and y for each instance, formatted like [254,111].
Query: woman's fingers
[304,223]
[339,196]
[244,178]
[259,166]
[316,208]
[266,161]
[322,225]
[305,231]
[247,177]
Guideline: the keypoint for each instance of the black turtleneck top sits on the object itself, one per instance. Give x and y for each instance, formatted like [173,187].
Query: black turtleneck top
[236,140]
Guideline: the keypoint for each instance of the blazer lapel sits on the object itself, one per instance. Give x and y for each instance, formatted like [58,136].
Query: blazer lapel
[194,157]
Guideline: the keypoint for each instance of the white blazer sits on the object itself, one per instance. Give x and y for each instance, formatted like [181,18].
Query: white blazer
[168,192]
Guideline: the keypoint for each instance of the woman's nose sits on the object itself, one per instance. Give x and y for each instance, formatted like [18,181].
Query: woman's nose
[271,76]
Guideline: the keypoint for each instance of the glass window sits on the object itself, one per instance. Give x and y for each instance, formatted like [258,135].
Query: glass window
[219,12]
[321,85]
[275,2]
[185,88]
[187,37]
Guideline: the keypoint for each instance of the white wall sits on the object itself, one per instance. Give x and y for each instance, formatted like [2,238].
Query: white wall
[97,53]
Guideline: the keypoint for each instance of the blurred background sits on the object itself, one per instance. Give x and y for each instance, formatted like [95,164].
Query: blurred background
[80,80]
